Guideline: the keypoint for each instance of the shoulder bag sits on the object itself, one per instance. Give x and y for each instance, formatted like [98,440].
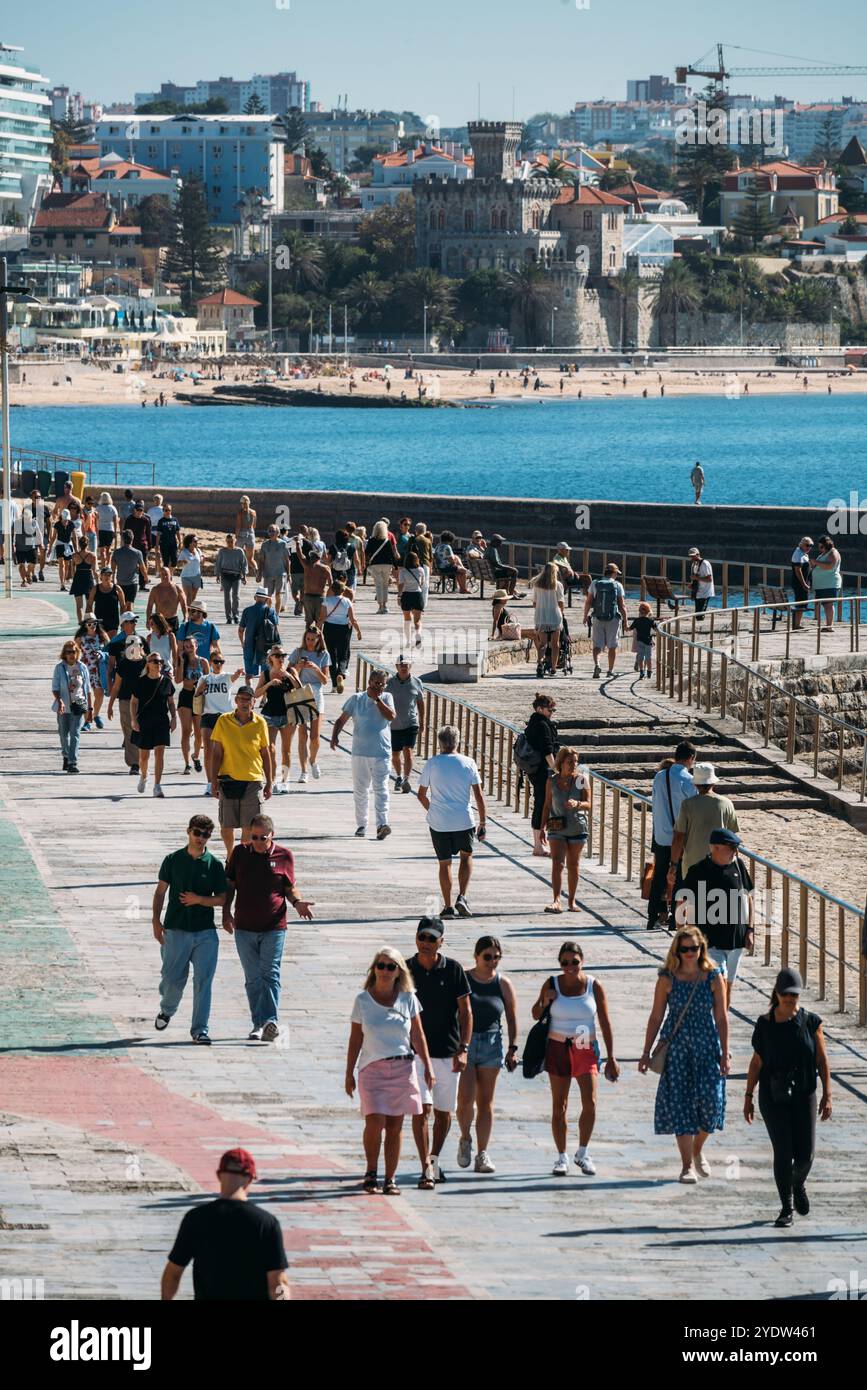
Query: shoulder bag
[659,1056]
[536,1045]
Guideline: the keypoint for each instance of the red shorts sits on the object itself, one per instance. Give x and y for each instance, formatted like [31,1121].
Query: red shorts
[565,1059]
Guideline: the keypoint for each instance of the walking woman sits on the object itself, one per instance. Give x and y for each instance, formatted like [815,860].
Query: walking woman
[245,529]
[548,597]
[689,1013]
[827,581]
[381,559]
[788,1052]
[541,732]
[492,997]
[410,582]
[154,719]
[311,661]
[568,802]
[83,576]
[277,681]
[73,702]
[385,1032]
[163,641]
[62,546]
[92,641]
[337,618]
[89,524]
[217,693]
[190,558]
[107,527]
[106,602]
[578,1010]
[189,671]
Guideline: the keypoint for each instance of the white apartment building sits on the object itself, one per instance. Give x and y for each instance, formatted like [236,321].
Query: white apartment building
[25,135]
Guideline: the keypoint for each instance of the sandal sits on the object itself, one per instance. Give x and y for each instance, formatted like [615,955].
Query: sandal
[551,908]
[426,1182]
[371,1182]
[390,1188]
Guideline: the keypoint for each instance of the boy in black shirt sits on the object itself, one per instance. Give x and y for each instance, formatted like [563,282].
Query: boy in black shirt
[643,626]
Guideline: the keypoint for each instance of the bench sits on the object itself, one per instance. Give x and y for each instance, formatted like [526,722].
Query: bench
[654,586]
[480,572]
[442,583]
[770,594]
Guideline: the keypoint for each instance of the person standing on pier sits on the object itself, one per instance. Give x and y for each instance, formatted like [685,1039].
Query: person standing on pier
[696,477]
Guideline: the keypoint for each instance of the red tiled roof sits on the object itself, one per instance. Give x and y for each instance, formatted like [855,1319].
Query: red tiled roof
[596,197]
[125,231]
[395,159]
[85,211]
[231,297]
[627,190]
[841,216]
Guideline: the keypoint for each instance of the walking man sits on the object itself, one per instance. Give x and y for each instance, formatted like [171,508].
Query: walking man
[697,817]
[196,883]
[372,712]
[235,1247]
[128,569]
[606,600]
[449,784]
[242,767]
[274,566]
[167,598]
[447,1019]
[258,632]
[716,895]
[696,477]
[407,692]
[129,653]
[671,787]
[261,879]
[230,571]
[317,577]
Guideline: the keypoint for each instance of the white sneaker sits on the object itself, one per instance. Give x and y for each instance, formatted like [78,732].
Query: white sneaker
[688,1175]
[158,791]
[586,1164]
[316,770]
[303,778]
[465,1152]
[561,1167]
[483,1164]
[142,783]
[703,1166]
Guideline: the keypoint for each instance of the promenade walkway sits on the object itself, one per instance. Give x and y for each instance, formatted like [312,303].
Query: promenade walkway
[110,1131]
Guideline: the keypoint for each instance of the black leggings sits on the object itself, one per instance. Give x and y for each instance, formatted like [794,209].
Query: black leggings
[539,782]
[792,1131]
[337,640]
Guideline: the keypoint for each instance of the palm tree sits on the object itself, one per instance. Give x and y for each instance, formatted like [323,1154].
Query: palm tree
[305,261]
[678,292]
[415,288]
[626,284]
[368,294]
[556,168]
[531,293]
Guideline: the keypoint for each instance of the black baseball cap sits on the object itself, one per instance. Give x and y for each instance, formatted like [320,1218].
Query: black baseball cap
[434,925]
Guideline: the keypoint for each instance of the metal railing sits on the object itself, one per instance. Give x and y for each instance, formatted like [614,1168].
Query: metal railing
[619,835]
[706,676]
[99,472]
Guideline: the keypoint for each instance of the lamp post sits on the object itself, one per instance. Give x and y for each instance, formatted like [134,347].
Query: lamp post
[330,332]
[5,291]
[346,335]
[553,312]
[424,330]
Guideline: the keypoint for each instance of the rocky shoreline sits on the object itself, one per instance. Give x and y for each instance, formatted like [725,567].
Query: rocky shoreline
[256,394]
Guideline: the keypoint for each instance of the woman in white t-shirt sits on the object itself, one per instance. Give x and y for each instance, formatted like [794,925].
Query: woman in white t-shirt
[190,560]
[218,697]
[385,1030]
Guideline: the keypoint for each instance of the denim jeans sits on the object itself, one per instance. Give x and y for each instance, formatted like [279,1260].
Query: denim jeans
[260,953]
[230,584]
[182,949]
[69,728]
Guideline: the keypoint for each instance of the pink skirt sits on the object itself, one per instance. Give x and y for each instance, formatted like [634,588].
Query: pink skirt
[389,1087]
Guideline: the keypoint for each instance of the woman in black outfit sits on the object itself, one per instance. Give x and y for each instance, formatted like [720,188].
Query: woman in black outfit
[154,719]
[541,734]
[788,1051]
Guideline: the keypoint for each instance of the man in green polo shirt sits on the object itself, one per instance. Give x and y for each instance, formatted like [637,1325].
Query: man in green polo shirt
[196,883]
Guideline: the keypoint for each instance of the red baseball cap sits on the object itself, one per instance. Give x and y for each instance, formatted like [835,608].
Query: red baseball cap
[238,1161]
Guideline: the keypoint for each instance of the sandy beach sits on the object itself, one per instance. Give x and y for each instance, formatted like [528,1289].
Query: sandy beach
[42,384]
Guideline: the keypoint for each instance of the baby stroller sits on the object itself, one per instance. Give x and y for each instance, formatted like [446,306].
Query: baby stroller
[545,665]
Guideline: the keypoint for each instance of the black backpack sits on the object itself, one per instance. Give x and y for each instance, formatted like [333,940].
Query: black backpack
[527,758]
[605,600]
[267,636]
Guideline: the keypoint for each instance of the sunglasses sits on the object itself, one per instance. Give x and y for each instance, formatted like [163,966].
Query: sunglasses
[568,964]
[686,950]
[385,965]
[202,834]
[431,940]
[489,957]
[217,661]
[266,836]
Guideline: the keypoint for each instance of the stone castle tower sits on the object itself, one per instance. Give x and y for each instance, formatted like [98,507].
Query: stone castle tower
[495,147]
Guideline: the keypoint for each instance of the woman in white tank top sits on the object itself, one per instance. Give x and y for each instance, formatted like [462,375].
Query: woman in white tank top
[577,1009]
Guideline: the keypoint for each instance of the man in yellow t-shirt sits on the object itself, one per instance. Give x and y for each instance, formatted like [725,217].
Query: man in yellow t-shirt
[242,767]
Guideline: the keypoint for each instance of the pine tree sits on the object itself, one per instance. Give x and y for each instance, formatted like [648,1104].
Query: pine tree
[193,258]
[754,221]
[254,106]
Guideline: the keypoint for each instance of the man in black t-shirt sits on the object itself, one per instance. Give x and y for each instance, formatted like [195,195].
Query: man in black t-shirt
[236,1248]
[128,653]
[444,994]
[716,896]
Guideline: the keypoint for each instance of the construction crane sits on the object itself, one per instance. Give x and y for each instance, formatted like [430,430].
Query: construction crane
[719,74]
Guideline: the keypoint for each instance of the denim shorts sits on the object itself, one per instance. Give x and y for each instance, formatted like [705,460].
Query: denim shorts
[487,1049]
[276,721]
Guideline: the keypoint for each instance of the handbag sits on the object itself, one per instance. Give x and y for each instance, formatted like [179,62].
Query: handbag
[536,1045]
[783,1087]
[510,632]
[199,704]
[556,823]
[659,1056]
[300,695]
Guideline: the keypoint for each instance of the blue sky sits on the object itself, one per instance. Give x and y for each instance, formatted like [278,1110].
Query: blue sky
[541,54]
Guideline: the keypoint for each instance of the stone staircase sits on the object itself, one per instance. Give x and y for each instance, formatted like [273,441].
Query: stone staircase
[630,753]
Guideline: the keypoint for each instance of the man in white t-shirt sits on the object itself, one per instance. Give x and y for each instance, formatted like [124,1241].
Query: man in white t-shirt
[701,580]
[449,784]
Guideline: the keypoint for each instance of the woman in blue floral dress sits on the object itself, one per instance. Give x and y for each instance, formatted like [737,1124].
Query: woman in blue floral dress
[689,1004]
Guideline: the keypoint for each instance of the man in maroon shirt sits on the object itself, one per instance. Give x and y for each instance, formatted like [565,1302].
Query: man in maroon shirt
[261,876]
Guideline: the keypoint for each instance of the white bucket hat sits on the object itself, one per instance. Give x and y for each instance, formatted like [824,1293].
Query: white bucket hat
[704,775]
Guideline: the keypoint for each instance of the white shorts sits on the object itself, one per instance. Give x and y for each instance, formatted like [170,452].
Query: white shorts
[728,961]
[445,1091]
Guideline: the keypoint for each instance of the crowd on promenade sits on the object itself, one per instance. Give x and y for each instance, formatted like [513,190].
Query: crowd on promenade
[428,1036]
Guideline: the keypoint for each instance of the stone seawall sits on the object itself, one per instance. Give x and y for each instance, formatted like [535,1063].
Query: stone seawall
[760,535]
